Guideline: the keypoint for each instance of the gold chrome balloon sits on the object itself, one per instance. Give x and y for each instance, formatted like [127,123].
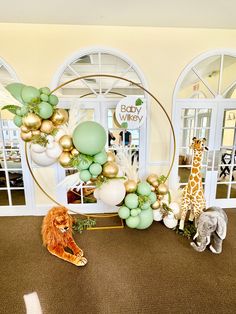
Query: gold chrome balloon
[155,184]
[66,143]
[162,189]
[60,116]
[74,152]
[26,136]
[130,186]
[47,126]
[110,169]
[36,132]
[156,205]
[110,156]
[65,159]
[153,189]
[24,129]
[160,197]
[32,121]
[152,178]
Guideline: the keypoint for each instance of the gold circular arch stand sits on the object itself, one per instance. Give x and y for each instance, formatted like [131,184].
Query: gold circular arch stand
[119,78]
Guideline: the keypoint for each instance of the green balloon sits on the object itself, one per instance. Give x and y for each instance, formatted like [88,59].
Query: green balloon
[18,112]
[146,219]
[85,175]
[100,158]
[17,121]
[15,90]
[84,164]
[24,110]
[152,197]
[53,99]
[95,169]
[45,90]
[131,200]
[145,205]
[132,222]
[44,97]
[89,138]
[29,94]
[45,110]
[134,212]
[144,189]
[124,212]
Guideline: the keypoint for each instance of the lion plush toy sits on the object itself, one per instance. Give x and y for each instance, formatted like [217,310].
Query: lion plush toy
[57,235]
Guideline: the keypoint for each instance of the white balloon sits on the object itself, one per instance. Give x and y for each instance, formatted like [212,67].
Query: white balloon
[170,221]
[112,192]
[42,159]
[54,151]
[59,134]
[175,208]
[96,194]
[50,138]
[157,215]
[37,148]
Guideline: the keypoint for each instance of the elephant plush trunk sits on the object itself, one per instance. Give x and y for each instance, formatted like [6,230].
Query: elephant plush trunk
[204,242]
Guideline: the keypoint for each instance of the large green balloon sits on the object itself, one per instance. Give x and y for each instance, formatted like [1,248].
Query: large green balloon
[131,200]
[146,219]
[45,110]
[29,93]
[101,158]
[124,212]
[15,90]
[89,138]
[144,189]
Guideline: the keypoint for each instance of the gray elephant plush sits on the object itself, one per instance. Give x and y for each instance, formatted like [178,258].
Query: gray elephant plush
[211,229]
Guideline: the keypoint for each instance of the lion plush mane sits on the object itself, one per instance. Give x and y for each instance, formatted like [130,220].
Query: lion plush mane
[57,236]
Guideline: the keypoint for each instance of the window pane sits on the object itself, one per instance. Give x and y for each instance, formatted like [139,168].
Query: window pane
[16,179]
[3,182]
[222,190]
[18,197]
[4,198]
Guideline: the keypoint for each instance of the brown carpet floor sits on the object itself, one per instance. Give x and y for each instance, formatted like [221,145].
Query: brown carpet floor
[129,271]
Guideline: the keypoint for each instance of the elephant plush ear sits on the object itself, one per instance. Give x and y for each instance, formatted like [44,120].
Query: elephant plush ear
[221,227]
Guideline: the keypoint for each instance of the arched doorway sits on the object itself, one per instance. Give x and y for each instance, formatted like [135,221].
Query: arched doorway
[97,98]
[204,105]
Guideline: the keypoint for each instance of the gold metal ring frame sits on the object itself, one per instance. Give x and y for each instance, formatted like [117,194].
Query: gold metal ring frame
[119,78]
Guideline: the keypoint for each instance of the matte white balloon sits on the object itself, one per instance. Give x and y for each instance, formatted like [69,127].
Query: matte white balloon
[50,139]
[175,208]
[54,151]
[42,159]
[170,221]
[96,194]
[157,215]
[112,192]
[37,148]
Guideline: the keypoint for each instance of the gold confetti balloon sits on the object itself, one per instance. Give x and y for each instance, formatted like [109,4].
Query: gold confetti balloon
[110,156]
[65,159]
[130,186]
[26,136]
[32,121]
[162,189]
[47,126]
[110,169]
[156,205]
[66,143]
[60,116]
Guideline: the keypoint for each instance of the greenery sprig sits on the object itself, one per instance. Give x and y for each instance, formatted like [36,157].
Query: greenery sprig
[82,224]
[39,139]
[189,230]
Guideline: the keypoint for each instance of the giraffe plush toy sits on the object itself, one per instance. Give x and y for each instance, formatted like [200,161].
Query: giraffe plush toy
[193,194]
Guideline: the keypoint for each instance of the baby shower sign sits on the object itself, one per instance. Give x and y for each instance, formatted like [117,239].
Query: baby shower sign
[131,112]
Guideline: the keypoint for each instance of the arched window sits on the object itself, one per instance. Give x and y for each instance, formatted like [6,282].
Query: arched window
[204,105]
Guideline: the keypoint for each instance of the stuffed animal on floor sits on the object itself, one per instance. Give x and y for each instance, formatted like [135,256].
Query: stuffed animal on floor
[211,229]
[57,235]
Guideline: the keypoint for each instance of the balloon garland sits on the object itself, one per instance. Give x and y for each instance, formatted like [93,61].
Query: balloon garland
[41,124]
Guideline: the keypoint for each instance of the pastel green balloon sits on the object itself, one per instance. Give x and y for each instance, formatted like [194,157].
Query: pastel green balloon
[124,212]
[95,169]
[15,90]
[17,121]
[89,138]
[45,110]
[152,197]
[18,112]
[24,110]
[145,205]
[53,99]
[45,90]
[146,219]
[100,158]
[44,97]
[131,200]
[132,222]
[85,175]
[29,93]
[134,212]
[144,189]
[84,164]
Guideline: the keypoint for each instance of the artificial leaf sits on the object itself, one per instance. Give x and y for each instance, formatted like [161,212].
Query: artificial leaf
[11,108]
[138,102]
[124,125]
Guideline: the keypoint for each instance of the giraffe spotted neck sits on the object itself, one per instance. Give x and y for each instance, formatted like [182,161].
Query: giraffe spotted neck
[197,160]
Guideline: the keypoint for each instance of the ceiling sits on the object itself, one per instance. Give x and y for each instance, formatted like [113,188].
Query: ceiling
[154,13]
